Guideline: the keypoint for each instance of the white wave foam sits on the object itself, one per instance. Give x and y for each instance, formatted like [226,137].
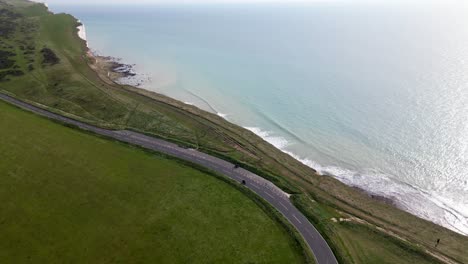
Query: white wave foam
[429,206]
[188,103]
[278,142]
[222,115]
[426,205]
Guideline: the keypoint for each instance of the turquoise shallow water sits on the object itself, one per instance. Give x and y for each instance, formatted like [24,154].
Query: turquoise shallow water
[373,94]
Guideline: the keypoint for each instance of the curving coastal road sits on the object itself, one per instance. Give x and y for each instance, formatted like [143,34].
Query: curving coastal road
[265,189]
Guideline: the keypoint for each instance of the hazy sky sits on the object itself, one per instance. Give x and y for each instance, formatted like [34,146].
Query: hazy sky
[167,1]
[135,2]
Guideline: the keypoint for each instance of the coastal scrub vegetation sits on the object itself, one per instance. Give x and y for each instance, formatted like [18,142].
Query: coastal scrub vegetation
[49,57]
[75,86]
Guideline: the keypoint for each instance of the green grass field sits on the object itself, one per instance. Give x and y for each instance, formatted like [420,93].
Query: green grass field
[74,89]
[70,197]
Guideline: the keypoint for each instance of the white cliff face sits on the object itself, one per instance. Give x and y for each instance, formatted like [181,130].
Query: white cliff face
[82,32]
[81,28]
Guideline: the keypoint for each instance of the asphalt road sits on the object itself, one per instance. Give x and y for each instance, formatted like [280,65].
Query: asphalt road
[265,189]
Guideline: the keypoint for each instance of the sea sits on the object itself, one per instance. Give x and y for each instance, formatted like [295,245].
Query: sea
[373,93]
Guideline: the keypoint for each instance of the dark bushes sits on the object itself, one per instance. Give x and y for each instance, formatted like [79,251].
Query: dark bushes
[49,57]
[5,62]
[4,74]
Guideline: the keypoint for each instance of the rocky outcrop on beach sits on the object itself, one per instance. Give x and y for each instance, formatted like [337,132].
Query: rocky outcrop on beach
[113,69]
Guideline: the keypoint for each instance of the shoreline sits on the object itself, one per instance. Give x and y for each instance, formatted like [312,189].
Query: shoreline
[111,69]
[118,72]
[115,71]
[388,196]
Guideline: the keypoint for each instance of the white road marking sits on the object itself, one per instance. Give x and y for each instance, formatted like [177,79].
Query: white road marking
[253,184]
[284,206]
[297,219]
[254,188]
[270,195]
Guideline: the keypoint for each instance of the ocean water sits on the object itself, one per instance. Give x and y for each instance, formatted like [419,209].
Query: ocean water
[372,93]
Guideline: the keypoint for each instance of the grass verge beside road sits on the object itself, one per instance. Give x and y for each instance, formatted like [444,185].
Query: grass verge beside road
[68,196]
[364,243]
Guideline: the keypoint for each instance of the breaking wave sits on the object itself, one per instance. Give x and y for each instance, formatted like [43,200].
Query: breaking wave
[222,115]
[414,200]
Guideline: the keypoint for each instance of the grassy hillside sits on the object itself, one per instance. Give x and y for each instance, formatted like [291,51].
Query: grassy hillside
[70,197]
[70,86]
